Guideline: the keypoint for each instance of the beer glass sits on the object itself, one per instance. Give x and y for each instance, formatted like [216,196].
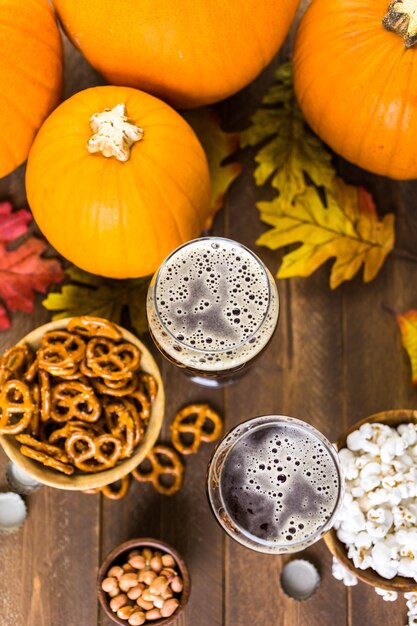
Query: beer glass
[212,308]
[274,484]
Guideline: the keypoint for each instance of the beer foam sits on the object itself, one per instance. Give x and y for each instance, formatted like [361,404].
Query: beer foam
[213,306]
[280,485]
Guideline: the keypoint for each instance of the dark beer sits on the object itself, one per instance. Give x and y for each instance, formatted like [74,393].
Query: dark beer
[212,306]
[275,485]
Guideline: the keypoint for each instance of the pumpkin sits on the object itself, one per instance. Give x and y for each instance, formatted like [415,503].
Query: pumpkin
[30,75]
[355,74]
[116,179]
[186,52]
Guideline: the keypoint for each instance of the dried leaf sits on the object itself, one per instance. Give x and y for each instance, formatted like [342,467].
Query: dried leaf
[12,224]
[290,154]
[408,327]
[88,294]
[218,146]
[22,269]
[347,229]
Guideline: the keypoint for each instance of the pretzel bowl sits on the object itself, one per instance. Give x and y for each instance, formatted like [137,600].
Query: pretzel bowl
[337,548]
[85,481]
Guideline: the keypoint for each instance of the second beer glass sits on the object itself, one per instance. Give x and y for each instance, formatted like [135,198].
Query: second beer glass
[212,308]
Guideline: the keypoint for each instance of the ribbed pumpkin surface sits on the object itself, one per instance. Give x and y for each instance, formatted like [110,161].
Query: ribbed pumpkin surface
[118,219]
[30,75]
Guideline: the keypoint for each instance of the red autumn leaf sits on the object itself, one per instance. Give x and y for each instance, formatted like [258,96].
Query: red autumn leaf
[22,270]
[12,224]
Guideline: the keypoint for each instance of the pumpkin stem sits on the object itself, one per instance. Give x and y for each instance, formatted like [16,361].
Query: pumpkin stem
[114,134]
[402,19]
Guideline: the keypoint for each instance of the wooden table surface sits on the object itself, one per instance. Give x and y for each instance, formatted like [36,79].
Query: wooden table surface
[335,358]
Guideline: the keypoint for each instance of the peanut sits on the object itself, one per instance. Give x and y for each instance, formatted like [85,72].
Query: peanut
[132,553]
[153,614]
[177,585]
[167,560]
[135,592]
[147,555]
[144,605]
[156,564]
[125,612]
[128,568]
[109,584]
[127,581]
[116,571]
[117,602]
[114,592]
[137,561]
[147,576]
[168,593]
[137,618]
[169,607]
[168,572]
[158,602]
[158,585]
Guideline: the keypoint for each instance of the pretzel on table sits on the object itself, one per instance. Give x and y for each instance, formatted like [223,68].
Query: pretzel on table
[175,469]
[193,420]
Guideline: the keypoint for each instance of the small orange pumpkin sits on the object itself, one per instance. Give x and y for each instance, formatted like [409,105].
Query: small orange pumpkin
[189,53]
[356,82]
[116,179]
[30,75]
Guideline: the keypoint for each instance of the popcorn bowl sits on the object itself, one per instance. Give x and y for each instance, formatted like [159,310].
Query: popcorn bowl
[85,481]
[337,548]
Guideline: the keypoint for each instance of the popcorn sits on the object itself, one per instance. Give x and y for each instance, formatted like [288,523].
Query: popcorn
[378,518]
[387,595]
[340,572]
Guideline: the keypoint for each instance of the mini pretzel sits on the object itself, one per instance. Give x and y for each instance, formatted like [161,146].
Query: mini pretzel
[113,493]
[142,405]
[123,420]
[89,326]
[32,370]
[193,420]
[89,454]
[60,353]
[12,361]
[47,460]
[74,400]
[34,422]
[47,448]
[148,384]
[115,388]
[113,361]
[16,407]
[45,393]
[158,470]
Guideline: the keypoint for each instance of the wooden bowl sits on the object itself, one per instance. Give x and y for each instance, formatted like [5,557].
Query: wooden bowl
[337,548]
[78,481]
[118,556]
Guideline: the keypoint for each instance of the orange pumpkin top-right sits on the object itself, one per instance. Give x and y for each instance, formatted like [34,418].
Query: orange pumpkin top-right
[356,81]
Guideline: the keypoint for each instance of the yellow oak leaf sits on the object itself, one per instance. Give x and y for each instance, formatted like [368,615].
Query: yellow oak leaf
[218,146]
[408,328]
[347,228]
[289,153]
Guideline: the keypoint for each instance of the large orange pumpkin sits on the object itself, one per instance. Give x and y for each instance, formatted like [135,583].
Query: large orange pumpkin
[30,75]
[356,82]
[188,52]
[116,179]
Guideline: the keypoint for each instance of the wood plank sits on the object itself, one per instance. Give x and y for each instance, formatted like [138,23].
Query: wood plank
[377,373]
[299,374]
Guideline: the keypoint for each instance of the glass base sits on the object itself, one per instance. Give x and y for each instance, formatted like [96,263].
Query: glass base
[215,383]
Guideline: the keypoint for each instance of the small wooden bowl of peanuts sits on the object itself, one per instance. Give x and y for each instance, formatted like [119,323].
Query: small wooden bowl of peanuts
[143,581]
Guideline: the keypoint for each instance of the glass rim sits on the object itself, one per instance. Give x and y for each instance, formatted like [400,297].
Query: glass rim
[154,282]
[251,541]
